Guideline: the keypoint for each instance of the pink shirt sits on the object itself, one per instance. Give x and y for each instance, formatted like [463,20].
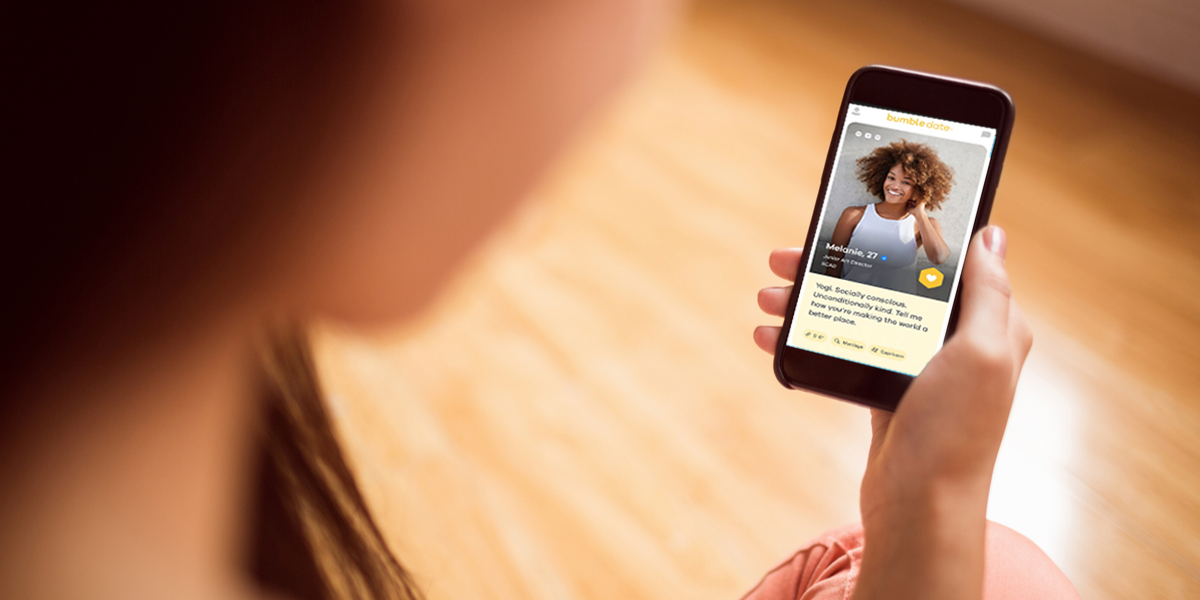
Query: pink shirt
[827,568]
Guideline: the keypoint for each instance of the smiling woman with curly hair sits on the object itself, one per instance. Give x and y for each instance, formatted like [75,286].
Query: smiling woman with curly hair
[909,178]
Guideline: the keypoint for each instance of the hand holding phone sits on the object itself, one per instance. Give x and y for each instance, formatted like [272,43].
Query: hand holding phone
[910,177]
[911,173]
[924,493]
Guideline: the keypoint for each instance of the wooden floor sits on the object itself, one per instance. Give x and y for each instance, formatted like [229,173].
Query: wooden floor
[584,415]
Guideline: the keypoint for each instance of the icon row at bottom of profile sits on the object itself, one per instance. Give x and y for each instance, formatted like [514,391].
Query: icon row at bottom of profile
[855,345]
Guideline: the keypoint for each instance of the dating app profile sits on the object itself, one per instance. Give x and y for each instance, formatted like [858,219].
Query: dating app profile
[886,258]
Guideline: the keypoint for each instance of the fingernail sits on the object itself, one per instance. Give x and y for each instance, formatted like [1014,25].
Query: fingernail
[995,240]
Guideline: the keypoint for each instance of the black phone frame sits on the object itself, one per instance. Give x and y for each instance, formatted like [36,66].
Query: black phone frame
[916,93]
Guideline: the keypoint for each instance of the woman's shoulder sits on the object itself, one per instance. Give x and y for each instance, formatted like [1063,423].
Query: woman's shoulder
[855,212]
[932,221]
[852,215]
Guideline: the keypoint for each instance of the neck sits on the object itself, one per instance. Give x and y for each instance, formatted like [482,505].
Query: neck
[891,211]
[122,472]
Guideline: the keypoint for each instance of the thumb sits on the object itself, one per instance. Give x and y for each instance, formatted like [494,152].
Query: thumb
[986,292]
[880,420]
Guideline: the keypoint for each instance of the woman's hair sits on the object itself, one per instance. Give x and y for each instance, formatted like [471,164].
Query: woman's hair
[931,178]
[152,141]
[147,139]
[313,537]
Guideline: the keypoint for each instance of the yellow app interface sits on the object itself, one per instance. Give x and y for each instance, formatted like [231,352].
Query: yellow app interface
[897,216]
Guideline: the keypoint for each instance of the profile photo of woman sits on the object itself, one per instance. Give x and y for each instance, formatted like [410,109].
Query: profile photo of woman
[910,180]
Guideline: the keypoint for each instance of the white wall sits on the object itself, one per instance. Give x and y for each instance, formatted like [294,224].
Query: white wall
[1160,37]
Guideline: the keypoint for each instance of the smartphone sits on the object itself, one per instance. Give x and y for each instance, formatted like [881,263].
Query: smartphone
[911,173]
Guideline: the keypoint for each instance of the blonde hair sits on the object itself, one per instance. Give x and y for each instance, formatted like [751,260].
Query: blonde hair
[314,535]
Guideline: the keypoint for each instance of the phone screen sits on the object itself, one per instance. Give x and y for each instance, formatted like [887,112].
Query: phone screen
[897,216]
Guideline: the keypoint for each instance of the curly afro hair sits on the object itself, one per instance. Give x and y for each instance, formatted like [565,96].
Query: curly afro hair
[931,178]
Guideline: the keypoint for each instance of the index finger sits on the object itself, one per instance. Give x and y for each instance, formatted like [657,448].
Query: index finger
[785,262]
